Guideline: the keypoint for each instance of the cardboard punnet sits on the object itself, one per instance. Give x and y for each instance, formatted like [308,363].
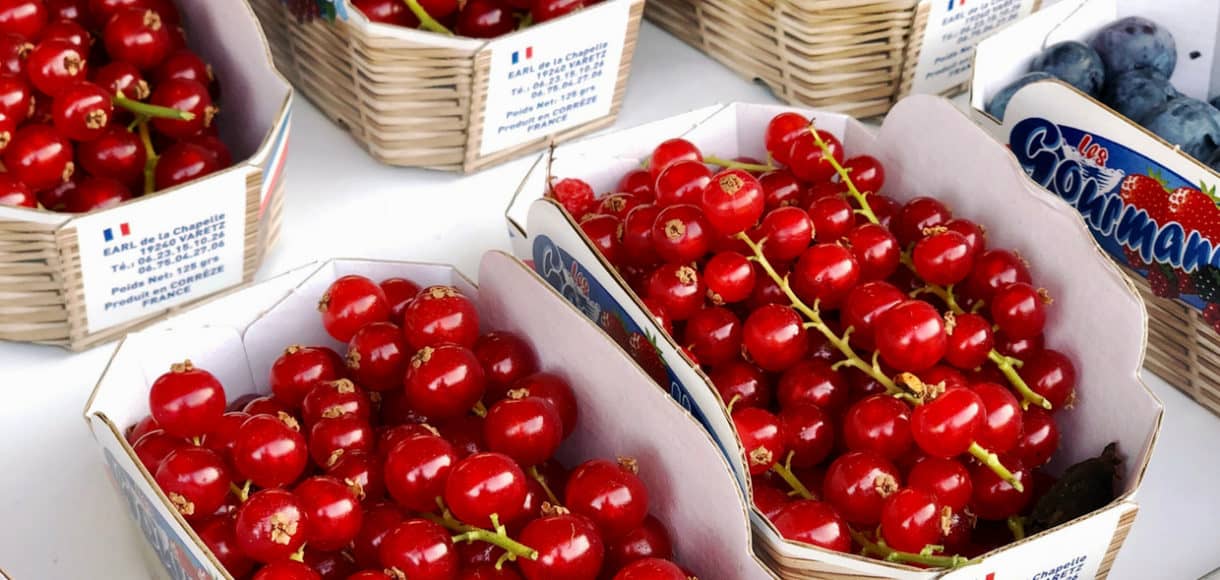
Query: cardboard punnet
[1098,160]
[78,280]
[238,337]
[928,148]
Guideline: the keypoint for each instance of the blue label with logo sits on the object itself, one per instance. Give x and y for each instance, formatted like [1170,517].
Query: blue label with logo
[570,278]
[1146,216]
[163,536]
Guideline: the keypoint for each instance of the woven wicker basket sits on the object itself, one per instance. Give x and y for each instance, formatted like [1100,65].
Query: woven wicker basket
[852,56]
[40,260]
[411,98]
[1183,349]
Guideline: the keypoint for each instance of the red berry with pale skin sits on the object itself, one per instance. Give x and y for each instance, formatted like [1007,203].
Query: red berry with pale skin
[832,218]
[650,540]
[300,370]
[948,425]
[270,451]
[1019,310]
[16,193]
[864,305]
[271,525]
[788,231]
[333,511]
[651,569]
[911,520]
[867,173]
[569,548]
[187,96]
[186,401]
[287,570]
[969,341]
[606,234]
[184,162]
[440,315]
[857,484]
[672,151]
[878,423]
[813,522]
[527,429]
[483,485]
[733,201]
[416,470]
[351,303]
[611,495]
[220,537]
[362,473]
[377,356]
[714,336]
[154,446]
[942,258]
[808,434]
[1039,437]
[1002,421]
[808,162]
[824,274]
[139,37]
[910,336]
[996,499]
[681,234]
[196,481]
[781,131]
[678,289]
[729,278]
[40,157]
[993,270]
[506,358]
[813,382]
[637,235]
[919,215]
[553,388]
[82,111]
[444,382]
[1051,374]
[329,439]
[876,251]
[946,479]
[334,399]
[419,549]
[574,195]
[762,438]
[115,154]
[25,18]
[781,189]
[774,337]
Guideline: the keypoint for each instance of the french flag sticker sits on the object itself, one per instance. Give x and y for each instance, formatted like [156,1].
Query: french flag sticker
[520,56]
[123,231]
[955,3]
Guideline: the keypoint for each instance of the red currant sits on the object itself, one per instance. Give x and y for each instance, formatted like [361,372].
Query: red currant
[918,216]
[115,154]
[637,243]
[196,481]
[270,451]
[996,499]
[16,193]
[910,520]
[334,399]
[1039,437]
[419,549]
[286,570]
[440,315]
[813,382]
[681,234]
[867,173]
[378,521]
[878,423]
[824,274]
[942,258]
[220,536]
[762,438]
[864,305]
[183,162]
[733,201]
[399,292]
[569,548]
[611,495]
[832,218]
[808,161]
[670,152]
[527,429]
[948,425]
[857,484]
[416,470]
[544,10]
[485,485]
[152,448]
[774,336]
[25,18]
[351,303]
[788,231]
[875,249]
[1051,374]
[377,356]
[729,278]
[945,479]
[813,522]
[808,434]
[1002,420]
[222,437]
[139,37]
[333,512]
[444,382]
[556,390]
[362,473]
[910,336]
[650,540]
[301,369]
[713,335]
[573,195]
[606,234]
[781,131]
[40,157]
[271,525]
[781,189]
[993,270]
[1018,310]
[678,289]
[186,401]
[187,96]
[741,384]
[969,341]
[330,439]
[638,182]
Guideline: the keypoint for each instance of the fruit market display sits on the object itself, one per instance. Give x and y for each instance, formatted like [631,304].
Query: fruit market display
[1127,65]
[470,18]
[427,451]
[885,367]
[100,102]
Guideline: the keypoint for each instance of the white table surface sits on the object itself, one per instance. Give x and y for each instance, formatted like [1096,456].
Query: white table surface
[60,517]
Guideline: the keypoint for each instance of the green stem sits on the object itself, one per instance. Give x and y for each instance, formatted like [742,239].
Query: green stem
[242,493]
[541,479]
[150,163]
[815,321]
[1008,366]
[479,409]
[784,470]
[525,21]
[731,164]
[467,533]
[426,21]
[992,461]
[1016,525]
[945,293]
[152,111]
[861,198]
[889,554]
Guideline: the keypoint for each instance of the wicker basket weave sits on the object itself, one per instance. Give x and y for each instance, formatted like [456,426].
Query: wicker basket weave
[415,102]
[1183,348]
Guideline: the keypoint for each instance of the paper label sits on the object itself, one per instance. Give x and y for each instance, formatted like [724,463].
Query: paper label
[548,78]
[955,27]
[164,251]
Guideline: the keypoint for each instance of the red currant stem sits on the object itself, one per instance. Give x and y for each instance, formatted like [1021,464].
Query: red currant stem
[1016,525]
[731,164]
[815,320]
[497,538]
[732,402]
[992,461]
[541,479]
[479,409]
[1009,365]
[944,293]
[524,22]
[889,554]
[844,176]
[150,164]
[784,470]
[197,441]
[426,21]
[154,111]
[299,555]
[242,492]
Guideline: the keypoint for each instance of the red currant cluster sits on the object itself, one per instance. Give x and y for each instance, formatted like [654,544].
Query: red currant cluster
[471,18]
[90,92]
[388,465]
[858,343]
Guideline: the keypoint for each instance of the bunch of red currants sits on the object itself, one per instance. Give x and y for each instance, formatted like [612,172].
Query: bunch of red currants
[427,452]
[884,368]
[101,101]
[470,18]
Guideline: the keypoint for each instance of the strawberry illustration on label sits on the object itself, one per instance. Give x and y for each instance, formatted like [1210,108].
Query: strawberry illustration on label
[613,325]
[646,353]
[1146,193]
[1196,211]
[1161,282]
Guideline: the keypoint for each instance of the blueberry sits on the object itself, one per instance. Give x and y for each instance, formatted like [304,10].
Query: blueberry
[1187,123]
[999,103]
[1216,101]
[1214,162]
[1138,92]
[1135,42]
[1073,63]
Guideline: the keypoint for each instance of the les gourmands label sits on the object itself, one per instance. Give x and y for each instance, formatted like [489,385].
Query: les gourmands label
[163,251]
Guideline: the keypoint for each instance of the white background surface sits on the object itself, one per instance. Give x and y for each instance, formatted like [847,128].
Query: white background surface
[60,518]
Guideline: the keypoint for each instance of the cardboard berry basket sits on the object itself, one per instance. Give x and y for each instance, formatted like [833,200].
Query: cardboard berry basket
[928,148]
[622,413]
[853,56]
[79,280]
[1090,155]
[421,99]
